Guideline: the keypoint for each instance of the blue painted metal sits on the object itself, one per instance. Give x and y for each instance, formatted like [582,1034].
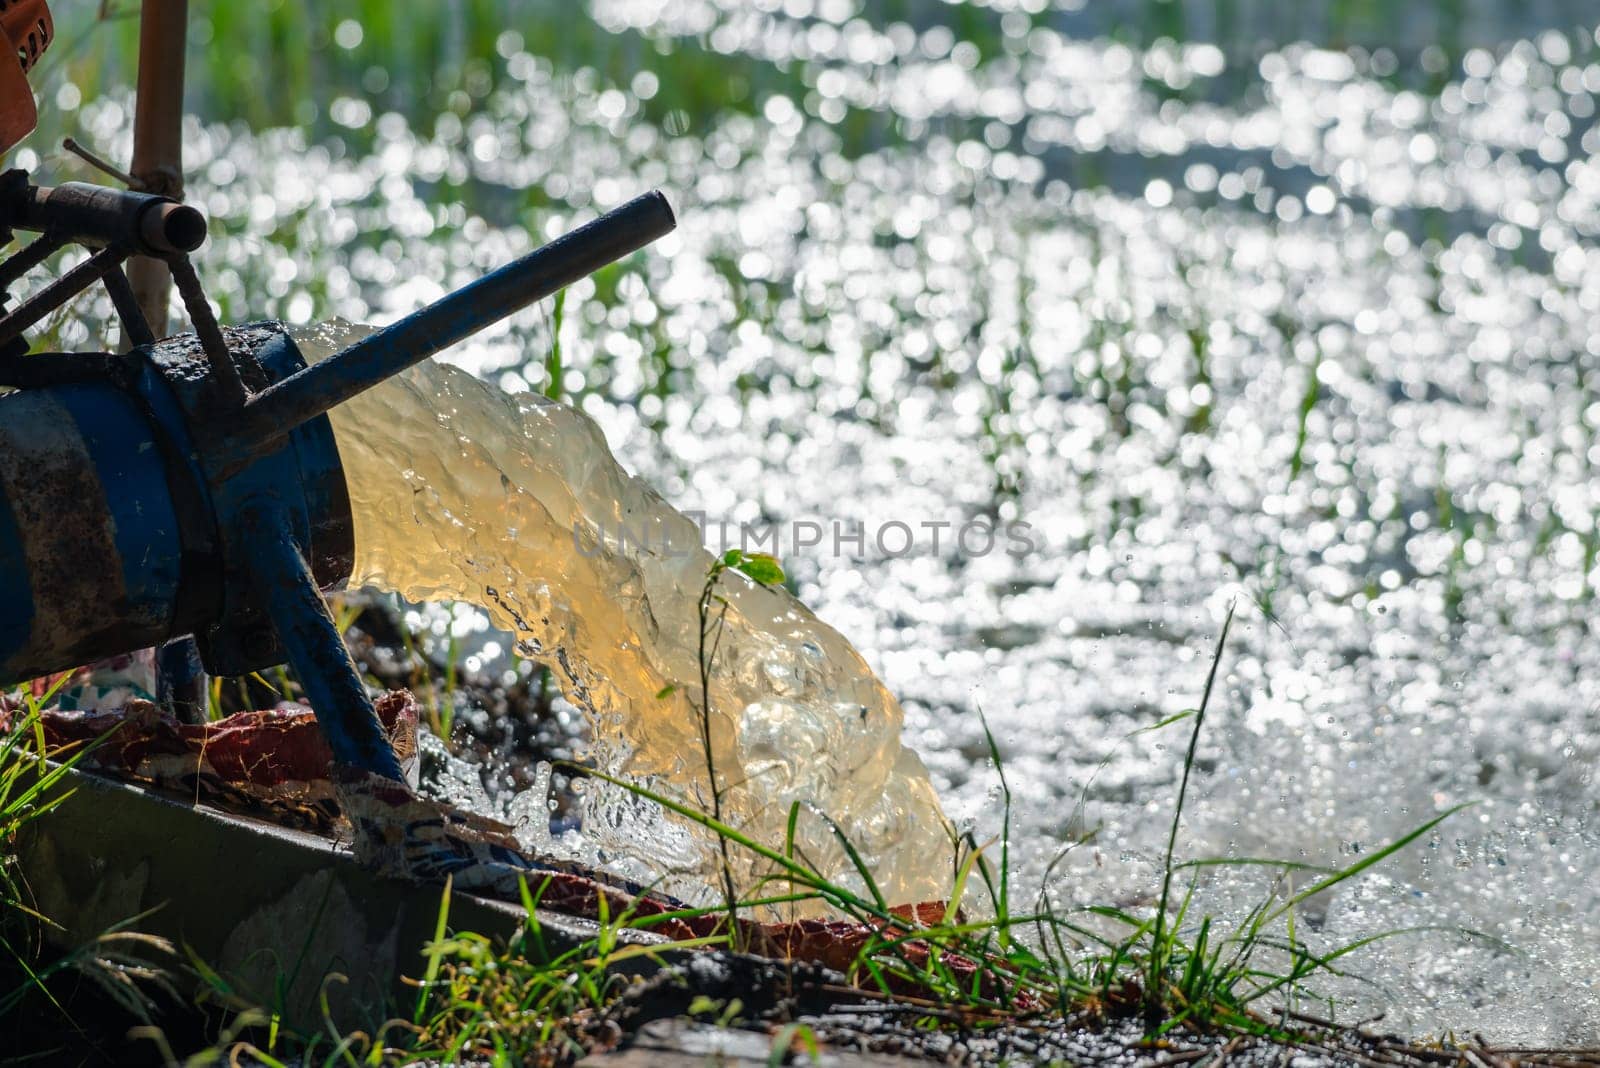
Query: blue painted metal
[121,443]
[91,530]
[236,634]
[198,596]
[321,474]
[119,535]
[181,680]
[284,527]
[284,583]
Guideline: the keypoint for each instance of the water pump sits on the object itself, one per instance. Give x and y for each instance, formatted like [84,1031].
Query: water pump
[189,491]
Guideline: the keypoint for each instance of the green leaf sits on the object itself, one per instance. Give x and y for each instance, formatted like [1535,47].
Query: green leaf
[761,567]
[666,691]
[705,1006]
[435,950]
[732,557]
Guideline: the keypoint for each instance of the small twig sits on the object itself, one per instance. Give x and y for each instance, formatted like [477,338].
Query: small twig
[1551,1051]
[1333,1025]
[924,1006]
[1226,1051]
[101,164]
[886,1009]
[1438,1056]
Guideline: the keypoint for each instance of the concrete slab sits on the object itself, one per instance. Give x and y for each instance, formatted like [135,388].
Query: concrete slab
[275,911]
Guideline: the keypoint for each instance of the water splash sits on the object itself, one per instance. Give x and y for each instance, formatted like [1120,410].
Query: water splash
[462,491]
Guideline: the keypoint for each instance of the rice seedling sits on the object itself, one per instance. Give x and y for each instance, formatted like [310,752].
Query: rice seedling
[553,379]
[765,570]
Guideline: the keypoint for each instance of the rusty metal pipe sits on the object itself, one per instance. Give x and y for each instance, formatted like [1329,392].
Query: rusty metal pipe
[135,330]
[60,291]
[226,372]
[97,216]
[276,410]
[158,137]
[36,253]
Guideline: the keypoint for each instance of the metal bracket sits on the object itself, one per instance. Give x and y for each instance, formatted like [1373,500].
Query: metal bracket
[284,584]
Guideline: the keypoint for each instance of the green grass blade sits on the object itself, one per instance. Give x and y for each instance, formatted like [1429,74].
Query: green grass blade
[1158,948]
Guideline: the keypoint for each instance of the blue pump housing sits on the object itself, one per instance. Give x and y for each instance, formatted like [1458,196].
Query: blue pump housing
[116,534]
[192,486]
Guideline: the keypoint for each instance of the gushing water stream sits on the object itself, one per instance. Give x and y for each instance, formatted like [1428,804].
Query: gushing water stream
[462,491]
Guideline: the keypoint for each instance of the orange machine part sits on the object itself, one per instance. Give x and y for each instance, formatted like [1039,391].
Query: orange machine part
[25,32]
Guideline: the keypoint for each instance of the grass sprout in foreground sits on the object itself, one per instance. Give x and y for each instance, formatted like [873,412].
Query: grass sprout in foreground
[983,965]
[522,1002]
[124,964]
[1174,968]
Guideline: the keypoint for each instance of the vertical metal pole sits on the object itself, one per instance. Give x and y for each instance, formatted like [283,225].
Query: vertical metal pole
[158,137]
[158,168]
[181,680]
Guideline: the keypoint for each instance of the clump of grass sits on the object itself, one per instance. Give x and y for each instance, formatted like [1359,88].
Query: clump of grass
[522,1002]
[27,784]
[1173,968]
[123,963]
[981,964]
[1159,943]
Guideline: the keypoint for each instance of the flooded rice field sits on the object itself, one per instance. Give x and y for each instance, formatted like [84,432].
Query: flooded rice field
[1030,346]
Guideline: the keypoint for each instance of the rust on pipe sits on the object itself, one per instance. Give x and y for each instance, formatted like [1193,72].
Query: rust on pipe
[223,369]
[158,137]
[96,216]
